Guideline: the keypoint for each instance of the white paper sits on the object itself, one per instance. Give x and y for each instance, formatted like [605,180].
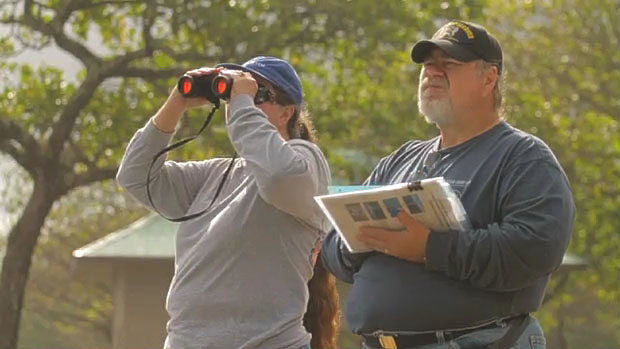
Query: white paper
[430,201]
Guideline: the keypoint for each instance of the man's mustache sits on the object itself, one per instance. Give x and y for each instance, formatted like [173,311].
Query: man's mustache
[436,82]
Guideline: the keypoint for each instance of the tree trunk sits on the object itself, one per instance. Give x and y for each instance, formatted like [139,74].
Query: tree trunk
[561,329]
[16,265]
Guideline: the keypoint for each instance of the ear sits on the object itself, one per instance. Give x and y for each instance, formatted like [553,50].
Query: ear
[285,116]
[490,79]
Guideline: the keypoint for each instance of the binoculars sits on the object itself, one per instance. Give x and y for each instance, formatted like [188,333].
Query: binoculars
[213,87]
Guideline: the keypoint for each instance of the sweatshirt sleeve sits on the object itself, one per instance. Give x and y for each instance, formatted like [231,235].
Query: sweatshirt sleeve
[338,260]
[174,185]
[288,173]
[537,216]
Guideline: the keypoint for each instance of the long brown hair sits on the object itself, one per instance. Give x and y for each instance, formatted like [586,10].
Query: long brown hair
[322,317]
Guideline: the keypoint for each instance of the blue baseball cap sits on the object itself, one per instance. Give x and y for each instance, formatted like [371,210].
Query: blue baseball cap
[275,70]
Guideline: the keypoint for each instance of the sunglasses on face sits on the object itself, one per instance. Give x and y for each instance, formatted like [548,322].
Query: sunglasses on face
[263,95]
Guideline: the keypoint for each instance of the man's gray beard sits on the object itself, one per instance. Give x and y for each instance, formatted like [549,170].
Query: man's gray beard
[436,111]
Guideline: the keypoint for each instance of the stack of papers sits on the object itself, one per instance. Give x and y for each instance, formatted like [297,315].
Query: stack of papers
[431,201]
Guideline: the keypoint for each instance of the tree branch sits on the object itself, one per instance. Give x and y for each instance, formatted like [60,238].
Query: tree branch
[148,73]
[63,14]
[78,50]
[94,175]
[31,46]
[78,154]
[63,127]
[148,18]
[55,30]
[16,24]
[80,5]
[187,55]
[84,5]
[96,72]
[18,155]
[9,130]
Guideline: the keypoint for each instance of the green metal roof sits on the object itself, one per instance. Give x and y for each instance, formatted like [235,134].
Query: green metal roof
[572,262]
[148,237]
[152,237]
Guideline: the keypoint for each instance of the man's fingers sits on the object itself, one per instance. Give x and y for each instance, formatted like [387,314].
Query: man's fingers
[371,242]
[379,234]
[407,220]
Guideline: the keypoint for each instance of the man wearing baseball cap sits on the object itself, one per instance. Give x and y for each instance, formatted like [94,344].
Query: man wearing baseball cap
[475,289]
[242,268]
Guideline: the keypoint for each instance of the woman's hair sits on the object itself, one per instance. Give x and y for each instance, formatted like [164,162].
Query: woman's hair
[300,124]
[322,317]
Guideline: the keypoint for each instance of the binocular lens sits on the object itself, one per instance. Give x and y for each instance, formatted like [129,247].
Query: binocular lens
[186,85]
[212,87]
[222,85]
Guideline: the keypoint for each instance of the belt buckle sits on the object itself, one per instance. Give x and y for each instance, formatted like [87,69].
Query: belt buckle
[387,342]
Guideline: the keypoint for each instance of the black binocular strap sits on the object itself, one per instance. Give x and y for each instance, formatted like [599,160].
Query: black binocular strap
[174,146]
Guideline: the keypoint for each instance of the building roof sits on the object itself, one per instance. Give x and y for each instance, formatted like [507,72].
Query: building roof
[148,237]
[153,237]
[572,262]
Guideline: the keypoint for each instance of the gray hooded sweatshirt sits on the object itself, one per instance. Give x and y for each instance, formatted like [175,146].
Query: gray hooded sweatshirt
[241,269]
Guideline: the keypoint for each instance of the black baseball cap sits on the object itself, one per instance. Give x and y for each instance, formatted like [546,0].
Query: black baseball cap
[463,41]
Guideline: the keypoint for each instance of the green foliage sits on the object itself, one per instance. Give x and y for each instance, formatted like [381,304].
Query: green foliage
[563,68]
[562,73]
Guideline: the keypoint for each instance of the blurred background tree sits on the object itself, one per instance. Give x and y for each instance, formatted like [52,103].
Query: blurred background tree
[563,64]
[67,134]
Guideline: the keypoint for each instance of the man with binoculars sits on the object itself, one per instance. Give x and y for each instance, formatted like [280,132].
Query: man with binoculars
[242,268]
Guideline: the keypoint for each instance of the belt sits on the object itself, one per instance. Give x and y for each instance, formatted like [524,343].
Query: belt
[416,340]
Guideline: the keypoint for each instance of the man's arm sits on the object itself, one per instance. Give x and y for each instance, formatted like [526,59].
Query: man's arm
[337,258]
[335,255]
[538,214]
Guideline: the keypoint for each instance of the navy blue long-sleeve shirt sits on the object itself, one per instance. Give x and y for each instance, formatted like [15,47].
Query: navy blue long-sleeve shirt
[519,202]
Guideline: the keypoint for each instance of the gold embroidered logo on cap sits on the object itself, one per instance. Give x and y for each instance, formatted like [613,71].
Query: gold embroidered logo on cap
[449,30]
[465,28]
[446,32]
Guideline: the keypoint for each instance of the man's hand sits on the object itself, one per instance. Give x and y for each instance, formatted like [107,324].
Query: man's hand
[409,244]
